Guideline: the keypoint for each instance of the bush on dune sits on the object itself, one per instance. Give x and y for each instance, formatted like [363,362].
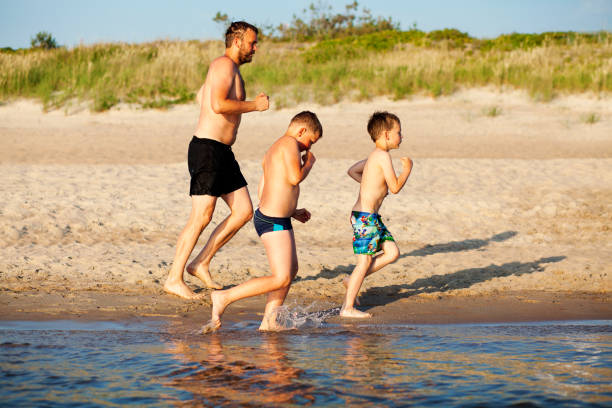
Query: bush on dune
[341,56]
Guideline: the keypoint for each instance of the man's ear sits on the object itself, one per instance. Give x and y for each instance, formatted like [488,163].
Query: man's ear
[301,131]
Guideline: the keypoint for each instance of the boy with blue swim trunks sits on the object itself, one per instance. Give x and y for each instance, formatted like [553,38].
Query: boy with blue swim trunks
[285,165]
[377,177]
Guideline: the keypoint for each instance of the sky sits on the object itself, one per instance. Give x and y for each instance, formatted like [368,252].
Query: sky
[74,22]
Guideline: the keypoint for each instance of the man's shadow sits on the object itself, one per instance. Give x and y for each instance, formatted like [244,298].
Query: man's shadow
[454,246]
[382,295]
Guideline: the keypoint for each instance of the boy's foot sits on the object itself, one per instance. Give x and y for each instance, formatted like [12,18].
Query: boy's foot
[352,312]
[203,274]
[182,290]
[218,307]
[211,326]
[345,282]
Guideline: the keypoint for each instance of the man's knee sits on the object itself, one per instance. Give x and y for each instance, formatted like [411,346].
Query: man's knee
[200,219]
[243,214]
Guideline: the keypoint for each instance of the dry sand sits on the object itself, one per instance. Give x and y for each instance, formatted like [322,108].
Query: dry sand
[503,218]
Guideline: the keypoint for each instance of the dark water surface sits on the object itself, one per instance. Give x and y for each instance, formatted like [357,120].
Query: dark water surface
[153,363]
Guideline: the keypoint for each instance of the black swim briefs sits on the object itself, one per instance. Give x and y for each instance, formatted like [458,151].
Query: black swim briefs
[213,168]
[264,224]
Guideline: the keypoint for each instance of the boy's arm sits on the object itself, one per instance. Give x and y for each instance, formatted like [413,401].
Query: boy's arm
[297,167]
[221,84]
[394,183]
[301,214]
[356,170]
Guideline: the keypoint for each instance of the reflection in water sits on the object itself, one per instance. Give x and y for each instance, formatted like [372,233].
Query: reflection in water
[59,364]
[397,365]
[260,374]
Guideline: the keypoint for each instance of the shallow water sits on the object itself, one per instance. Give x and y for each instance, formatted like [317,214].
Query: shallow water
[153,363]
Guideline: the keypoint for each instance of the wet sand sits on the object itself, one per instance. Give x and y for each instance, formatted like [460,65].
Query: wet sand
[504,218]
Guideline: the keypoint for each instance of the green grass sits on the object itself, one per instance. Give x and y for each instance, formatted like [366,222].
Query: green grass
[591,118]
[390,63]
[493,111]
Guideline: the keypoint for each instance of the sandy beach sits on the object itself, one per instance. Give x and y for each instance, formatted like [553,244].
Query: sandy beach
[504,218]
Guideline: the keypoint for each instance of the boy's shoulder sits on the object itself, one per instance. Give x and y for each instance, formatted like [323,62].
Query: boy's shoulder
[378,155]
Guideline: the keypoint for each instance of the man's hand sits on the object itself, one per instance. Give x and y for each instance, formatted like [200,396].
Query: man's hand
[262,102]
[301,214]
[308,158]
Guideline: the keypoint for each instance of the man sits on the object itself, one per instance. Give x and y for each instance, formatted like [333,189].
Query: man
[212,166]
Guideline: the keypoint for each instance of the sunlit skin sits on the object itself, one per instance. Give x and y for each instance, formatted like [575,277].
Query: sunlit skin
[286,164]
[377,177]
[222,103]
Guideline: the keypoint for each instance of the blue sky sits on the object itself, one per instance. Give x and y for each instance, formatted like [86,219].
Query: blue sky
[81,21]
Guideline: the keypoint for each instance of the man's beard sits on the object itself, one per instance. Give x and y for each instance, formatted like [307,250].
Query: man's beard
[245,57]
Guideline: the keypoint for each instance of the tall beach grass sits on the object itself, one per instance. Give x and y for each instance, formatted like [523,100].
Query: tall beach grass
[395,64]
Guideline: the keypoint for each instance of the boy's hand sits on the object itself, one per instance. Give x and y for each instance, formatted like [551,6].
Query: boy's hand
[308,158]
[262,102]
[406,162]
[301,214]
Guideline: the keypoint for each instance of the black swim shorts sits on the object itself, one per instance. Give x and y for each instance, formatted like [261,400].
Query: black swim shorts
[264,224]
[213,168]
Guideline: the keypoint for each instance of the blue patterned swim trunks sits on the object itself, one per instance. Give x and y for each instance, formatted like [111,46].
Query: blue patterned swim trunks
[369,233]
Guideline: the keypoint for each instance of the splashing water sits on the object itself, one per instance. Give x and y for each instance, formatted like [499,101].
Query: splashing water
[296,316]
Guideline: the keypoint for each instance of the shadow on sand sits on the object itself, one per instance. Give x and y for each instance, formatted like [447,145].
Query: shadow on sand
[454,246]
[376,296]
[462,279]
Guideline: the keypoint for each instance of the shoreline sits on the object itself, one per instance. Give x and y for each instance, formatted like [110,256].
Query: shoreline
[511,307]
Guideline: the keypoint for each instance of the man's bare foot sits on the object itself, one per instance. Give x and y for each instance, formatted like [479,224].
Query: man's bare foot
[352,312]
[203,274]
[180,289]
[345,282]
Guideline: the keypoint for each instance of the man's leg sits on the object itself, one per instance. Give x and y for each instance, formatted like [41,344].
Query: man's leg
[277,297]
[354,283]
[280,248]
[202,208]
[241,209]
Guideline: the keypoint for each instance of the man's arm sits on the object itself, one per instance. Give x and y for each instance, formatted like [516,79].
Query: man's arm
[394,183]
[297,167]
[356,170]
[222,80]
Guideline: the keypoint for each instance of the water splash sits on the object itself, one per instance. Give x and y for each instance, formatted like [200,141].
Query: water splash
[296,316]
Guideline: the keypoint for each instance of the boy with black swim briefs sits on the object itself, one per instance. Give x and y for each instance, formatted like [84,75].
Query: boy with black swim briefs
[377,177]
[214,171]
[285,165]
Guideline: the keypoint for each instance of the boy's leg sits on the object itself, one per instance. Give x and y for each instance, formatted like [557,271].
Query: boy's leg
[202,208]
[277,298]
[241,209]
[280,248]
[389,255]
[354,283]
